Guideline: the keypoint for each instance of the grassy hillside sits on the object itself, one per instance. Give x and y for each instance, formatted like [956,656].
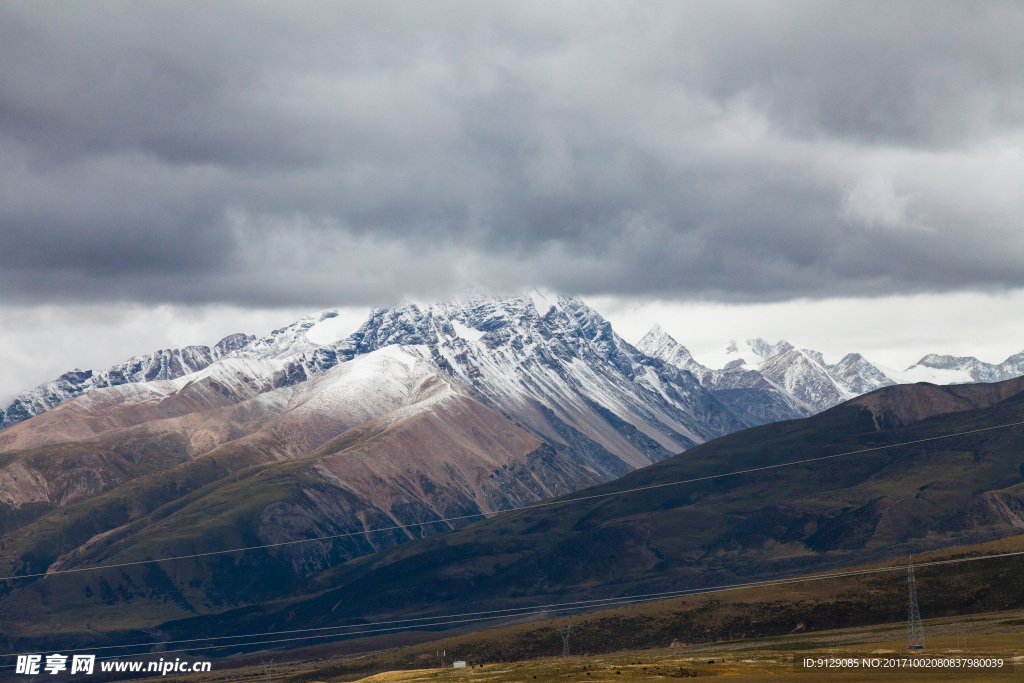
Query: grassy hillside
[608,540]
[969,608]
[696,622]
[839,512]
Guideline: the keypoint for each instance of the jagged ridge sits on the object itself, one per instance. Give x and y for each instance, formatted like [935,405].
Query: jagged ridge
[805,379]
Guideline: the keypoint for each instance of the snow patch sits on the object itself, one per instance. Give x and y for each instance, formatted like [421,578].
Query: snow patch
[542,303]
[731,352]
[923,373]
[466,332]
[331,330]
[371,385]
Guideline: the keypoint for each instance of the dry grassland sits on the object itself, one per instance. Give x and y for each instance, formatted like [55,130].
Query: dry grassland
[997,635]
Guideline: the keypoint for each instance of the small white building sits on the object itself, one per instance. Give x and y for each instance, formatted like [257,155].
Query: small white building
[459,665]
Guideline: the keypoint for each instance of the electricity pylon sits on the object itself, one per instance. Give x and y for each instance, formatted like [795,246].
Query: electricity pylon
[564,631]
[915,631]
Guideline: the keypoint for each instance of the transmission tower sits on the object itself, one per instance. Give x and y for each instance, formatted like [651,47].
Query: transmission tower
[268,668]
[564,631]
[915,631]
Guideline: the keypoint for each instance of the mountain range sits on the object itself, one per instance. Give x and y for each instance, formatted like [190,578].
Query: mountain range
[899,471]
[457,410]
[800,381]
[811,380]
[422,421]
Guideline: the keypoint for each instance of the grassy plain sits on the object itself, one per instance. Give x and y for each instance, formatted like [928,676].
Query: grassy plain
[997,635]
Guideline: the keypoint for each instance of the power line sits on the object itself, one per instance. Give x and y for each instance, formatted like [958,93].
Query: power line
[446,622]
[532,506]
[614,602]
[529,610]
[408,623]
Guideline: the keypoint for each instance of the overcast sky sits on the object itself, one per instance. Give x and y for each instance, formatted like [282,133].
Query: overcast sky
[172,171]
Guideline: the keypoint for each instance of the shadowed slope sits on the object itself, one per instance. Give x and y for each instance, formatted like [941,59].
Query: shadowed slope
[886,502]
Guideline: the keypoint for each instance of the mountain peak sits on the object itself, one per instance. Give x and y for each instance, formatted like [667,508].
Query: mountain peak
[658,343]
[535,325]
[655,337]
[762,348]
[750,353]
[944,362]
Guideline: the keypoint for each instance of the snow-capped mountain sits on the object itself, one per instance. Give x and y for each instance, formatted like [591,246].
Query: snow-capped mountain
[803,377]
[554,364]
[756,380]
[658,344]
[961,370]
[807,378]
[165,364]
[453,410]
[450,410]
[747,354]
[551,365]
[734,380]
[557,365]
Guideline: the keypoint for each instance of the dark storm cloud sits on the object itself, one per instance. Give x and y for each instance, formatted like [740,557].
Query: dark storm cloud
[332,153]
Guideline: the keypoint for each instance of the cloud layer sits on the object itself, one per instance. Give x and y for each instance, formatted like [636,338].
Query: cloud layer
[317,154]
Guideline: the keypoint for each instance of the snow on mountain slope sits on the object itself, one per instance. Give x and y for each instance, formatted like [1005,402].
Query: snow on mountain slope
[225,382]
[368,386]
[300,418]
[299,351]
[744,389]
[857,375]
[746,354]
[812,380]
[806,378]
[303,336]
[179,420]
[924,373]
[541,357]
[956,368]
[386,439]
[658,344]
[161,365]
[558,368]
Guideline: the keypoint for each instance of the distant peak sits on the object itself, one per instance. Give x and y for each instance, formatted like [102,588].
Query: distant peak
[474,299]
[762,348]
[657,332]
[232,342]
[657,343]
[943,362]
